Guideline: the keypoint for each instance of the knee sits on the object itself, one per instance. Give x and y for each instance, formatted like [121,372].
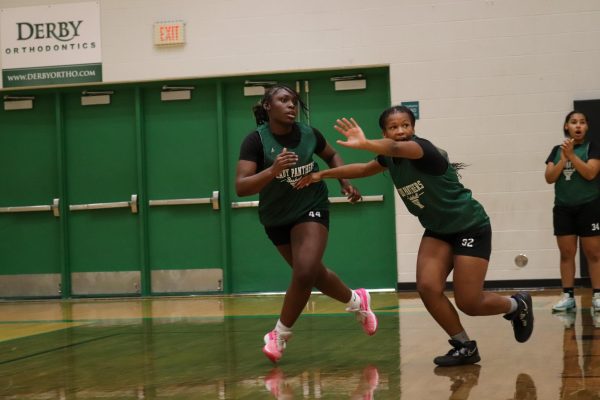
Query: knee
[468,307]
[304,275]
[567,254]
[593,257]
[429,289]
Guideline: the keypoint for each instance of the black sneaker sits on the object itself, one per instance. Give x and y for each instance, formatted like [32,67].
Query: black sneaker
[522,318]
[460,354]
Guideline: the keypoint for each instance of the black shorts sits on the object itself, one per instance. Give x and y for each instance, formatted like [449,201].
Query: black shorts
[474,242]
[280,235]
[582,220]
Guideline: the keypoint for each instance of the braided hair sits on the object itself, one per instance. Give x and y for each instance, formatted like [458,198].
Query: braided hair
[260,113]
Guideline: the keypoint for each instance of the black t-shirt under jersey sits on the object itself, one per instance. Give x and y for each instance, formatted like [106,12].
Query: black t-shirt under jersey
[432,162]
[252,149]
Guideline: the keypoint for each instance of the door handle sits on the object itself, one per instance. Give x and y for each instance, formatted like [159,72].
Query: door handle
[244,204]
[54,207]
[212,200]
[364,199]
[132,204]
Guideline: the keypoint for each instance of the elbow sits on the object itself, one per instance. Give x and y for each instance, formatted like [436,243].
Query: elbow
[240,191]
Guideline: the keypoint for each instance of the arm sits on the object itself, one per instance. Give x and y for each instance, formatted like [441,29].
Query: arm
[355,138]
[248,182]
[359,170]
[553,170]
[333,160]
[588,170]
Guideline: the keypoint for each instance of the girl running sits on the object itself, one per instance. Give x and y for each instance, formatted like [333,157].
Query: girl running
[272,159]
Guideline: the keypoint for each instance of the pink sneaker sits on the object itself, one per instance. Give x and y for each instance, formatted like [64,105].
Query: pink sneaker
[274,346]
[366,317]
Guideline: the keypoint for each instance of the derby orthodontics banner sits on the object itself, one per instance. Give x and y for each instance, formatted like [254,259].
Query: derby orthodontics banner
[50,45]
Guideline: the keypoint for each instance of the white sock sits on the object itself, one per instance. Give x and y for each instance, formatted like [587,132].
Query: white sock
[461,337]
[283,330]
[513,305]
[354,303]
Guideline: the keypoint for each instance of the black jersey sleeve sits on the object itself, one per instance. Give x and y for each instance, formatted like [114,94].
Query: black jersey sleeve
[594,151]
[251,150]
[552,154]
[432,162]
[321,142]
[381,160]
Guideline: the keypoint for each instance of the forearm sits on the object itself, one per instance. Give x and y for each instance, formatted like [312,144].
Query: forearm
[345,172]
[553,171]
[253,184]
[335,162]
[386,147]
[584,169]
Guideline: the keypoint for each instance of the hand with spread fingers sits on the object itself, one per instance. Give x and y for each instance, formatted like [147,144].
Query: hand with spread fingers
[355,137]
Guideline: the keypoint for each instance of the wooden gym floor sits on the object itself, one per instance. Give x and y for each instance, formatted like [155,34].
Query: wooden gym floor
[210,348]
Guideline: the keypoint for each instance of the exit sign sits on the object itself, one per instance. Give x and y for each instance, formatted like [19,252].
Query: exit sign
[169,33]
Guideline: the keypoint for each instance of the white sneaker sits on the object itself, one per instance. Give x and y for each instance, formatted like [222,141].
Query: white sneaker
[596,303]
[567,303]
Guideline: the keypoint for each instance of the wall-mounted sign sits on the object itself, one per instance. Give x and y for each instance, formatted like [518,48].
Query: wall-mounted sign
[50,45]
[413,106]
[169,33]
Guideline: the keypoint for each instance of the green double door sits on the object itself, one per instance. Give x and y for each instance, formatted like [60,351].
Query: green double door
[361,245]
[143,190]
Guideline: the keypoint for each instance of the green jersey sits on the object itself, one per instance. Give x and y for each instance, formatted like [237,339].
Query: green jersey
[571,189]
[279,202]
[442,204]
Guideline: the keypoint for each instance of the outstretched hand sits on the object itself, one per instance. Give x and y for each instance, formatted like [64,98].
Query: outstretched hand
[355,137]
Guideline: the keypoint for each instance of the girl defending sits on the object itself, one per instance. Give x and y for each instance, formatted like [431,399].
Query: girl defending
[457,229]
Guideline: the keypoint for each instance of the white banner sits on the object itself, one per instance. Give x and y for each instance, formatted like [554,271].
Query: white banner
[51,44]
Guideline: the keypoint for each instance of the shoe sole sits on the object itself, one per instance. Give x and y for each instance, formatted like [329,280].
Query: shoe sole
[525,298]
[270,355]
[472,361]
[562,310]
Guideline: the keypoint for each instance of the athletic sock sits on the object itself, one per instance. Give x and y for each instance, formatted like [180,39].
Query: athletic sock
[570,291]
[461,337]
[354,303]
[283,330]
[513,305]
